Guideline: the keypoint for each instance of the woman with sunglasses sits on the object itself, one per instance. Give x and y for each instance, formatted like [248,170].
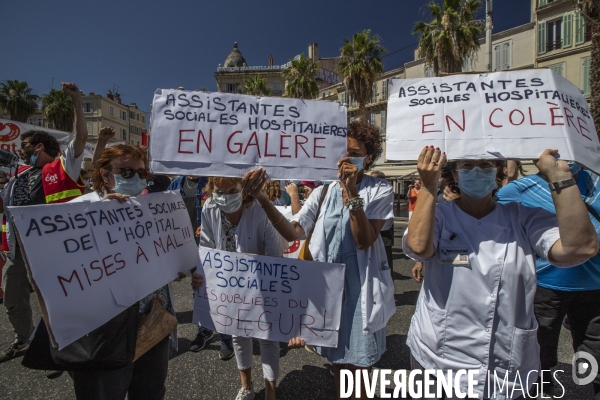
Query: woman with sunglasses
[120,172]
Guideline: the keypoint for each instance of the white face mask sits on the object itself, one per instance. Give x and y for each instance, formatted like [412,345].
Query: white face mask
[228,203]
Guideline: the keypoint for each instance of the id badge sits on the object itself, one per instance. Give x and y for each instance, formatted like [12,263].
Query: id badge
[455,256]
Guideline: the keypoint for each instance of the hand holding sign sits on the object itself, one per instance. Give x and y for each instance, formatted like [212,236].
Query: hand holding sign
[430,166]
[553,169]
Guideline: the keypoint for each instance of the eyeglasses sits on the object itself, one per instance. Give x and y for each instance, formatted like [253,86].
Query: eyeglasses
[128,173]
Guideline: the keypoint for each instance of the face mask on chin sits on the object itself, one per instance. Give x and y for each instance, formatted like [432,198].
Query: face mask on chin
[477,183]
[132,186]
[32,159]
[228,203]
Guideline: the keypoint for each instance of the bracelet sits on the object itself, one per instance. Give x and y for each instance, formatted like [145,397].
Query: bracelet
[355,203]
[277,221]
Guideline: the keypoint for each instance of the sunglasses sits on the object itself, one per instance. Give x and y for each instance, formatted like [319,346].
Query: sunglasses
[128,173]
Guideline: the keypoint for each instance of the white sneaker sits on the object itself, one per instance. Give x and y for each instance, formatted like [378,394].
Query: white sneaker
[245,394]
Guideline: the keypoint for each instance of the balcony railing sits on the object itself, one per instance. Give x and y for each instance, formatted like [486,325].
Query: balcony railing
[555,45]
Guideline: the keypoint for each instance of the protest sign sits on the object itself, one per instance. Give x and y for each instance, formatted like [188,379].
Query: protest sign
[92,260]
[225,134]
[294,249]
[269,297]
[10,136]
[516,114]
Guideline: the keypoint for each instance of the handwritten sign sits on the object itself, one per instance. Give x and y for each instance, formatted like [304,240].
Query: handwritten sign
[224,134]
[92,260]
[269,297]
[10,136]
[516,114]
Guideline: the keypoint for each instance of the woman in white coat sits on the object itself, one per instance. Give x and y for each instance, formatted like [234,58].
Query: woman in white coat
[346,230]
[233,221]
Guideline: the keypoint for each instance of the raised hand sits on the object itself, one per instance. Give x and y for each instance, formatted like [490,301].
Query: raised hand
[106,134]
[429,165]
[554,169]
[348,173]
[253,183]
[72,90]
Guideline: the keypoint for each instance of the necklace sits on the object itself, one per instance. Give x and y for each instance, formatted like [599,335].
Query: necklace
[187,183]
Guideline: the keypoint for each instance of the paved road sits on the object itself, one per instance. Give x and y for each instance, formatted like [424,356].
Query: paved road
[303,375]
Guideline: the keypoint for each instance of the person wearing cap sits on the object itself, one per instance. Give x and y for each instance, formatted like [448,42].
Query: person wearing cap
[475,309]
[574,292]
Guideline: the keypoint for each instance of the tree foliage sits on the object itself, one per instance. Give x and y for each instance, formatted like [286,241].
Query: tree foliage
[301,78]
[18,99]
[57,106]
[451,36]
[359,65]
[256,86]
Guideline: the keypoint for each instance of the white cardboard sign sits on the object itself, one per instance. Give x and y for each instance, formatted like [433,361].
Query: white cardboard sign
[92,260]
[224,134]
[269,297]
[516,114]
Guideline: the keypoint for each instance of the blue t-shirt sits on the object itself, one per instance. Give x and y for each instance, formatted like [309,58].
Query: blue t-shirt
[533,191]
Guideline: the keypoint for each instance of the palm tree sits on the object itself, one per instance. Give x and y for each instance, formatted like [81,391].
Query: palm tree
[590,9]
[18,99]
[57,106]
[301,78]
[452,35]
[256,86]
[360,64]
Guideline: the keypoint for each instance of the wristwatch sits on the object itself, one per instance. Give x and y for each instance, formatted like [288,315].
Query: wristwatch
[562,184]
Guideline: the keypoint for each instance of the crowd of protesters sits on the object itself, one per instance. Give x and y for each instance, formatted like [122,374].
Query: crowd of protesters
[503,258]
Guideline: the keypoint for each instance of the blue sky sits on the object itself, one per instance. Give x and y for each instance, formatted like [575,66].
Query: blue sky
[138,46]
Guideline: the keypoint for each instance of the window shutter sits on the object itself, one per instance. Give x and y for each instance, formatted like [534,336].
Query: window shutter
[498,55]
[579,28]
[542,37]
[506,56]
[567,30]
[585,76]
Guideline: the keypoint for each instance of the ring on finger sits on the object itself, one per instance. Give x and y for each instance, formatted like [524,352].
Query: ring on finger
[434,163]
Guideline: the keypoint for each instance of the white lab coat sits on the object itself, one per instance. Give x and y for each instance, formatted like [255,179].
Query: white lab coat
[480,315]
[254,233]
[377,286]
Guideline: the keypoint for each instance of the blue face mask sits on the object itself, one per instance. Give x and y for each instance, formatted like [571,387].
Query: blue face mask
[33,159]
[574,167]
[477,183]
[358,161]
[132,186]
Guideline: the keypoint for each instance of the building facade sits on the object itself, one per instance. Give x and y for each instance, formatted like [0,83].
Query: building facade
[232,75]
[127,120]
[563,41]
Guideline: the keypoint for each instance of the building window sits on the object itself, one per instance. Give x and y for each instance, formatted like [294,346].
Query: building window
[137,117]
[554,35]
[429,71]
[131,142]
[502,56]
[585,75]
[383,122]
[131,114]
[372,119]
[111,111]
[31,121]
[123,115]
[40,122]
[542,37]
[232,88]
[138,143]
[87,107]
[344,98]
[558,68]
[384,88]
[466,64]
[88,125]
[374,93]
[123,133]
[143,119]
